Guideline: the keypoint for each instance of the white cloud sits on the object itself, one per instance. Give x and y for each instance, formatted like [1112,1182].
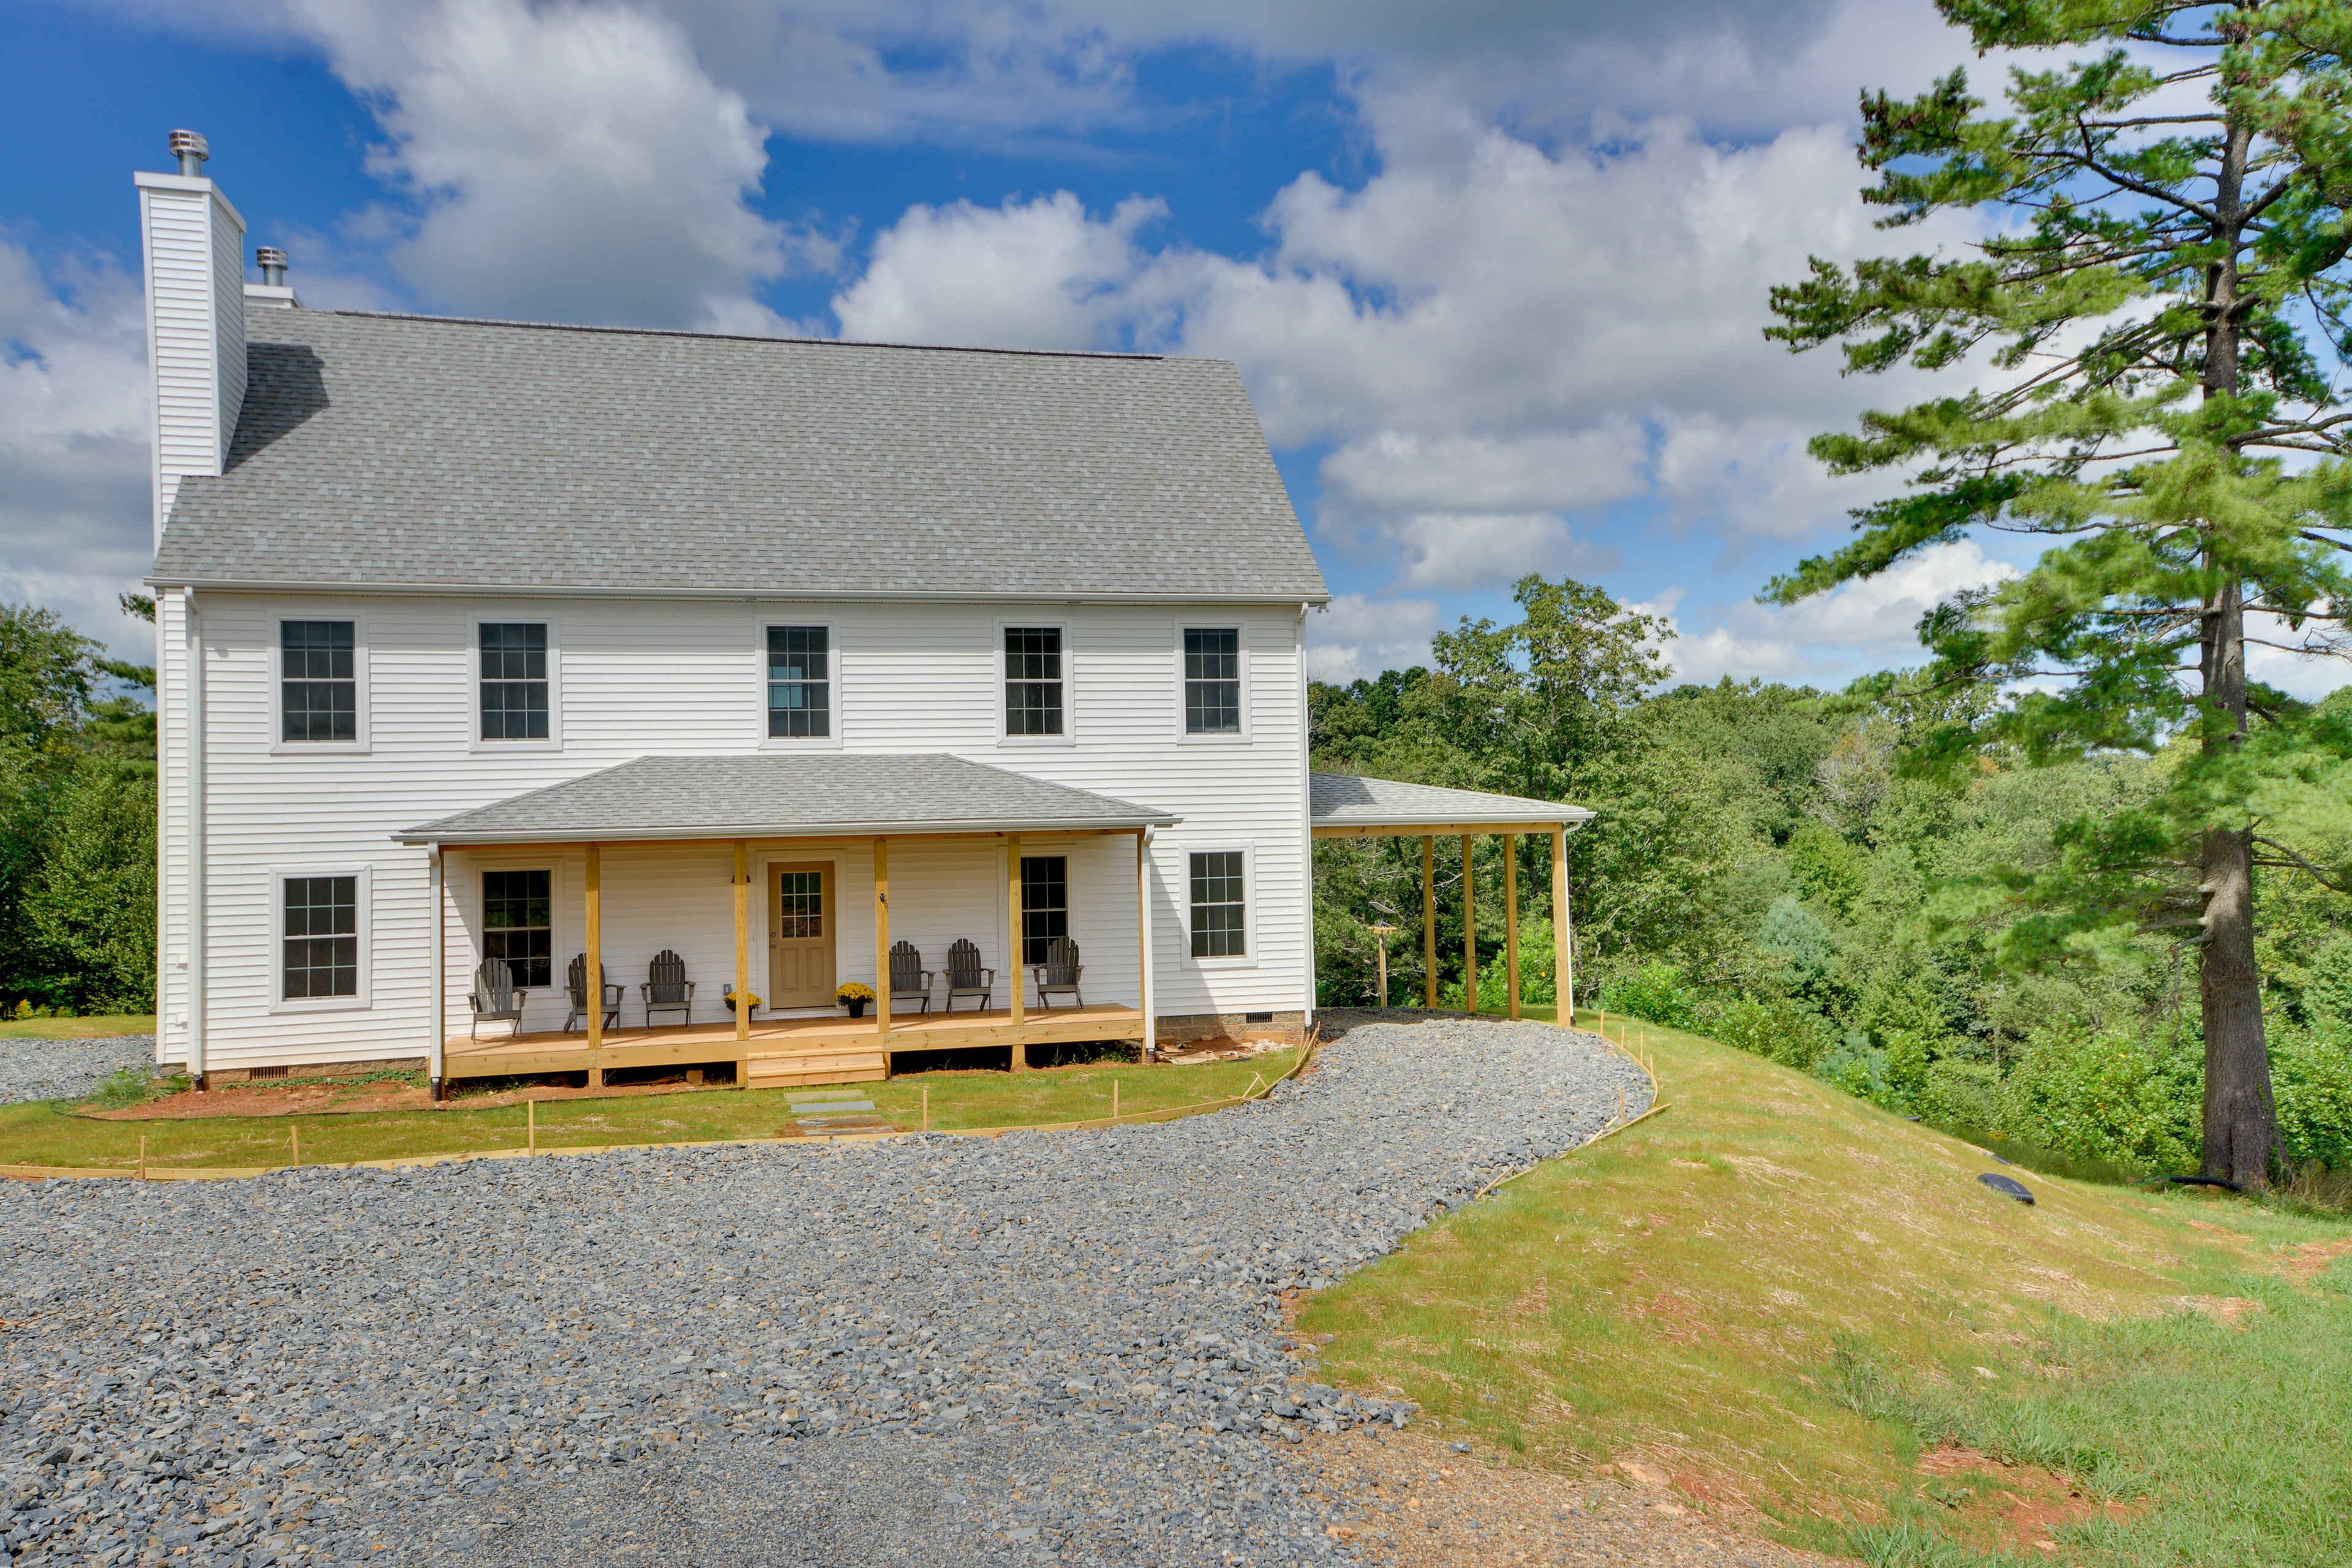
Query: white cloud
[1355,636]
[73,449]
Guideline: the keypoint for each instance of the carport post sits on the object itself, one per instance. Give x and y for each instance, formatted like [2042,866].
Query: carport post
[1563,948]
[1469,936]
[1511,917]
[1429,921]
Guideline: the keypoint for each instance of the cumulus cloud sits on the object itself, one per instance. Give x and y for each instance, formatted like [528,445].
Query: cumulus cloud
[1356,636]
[74,441]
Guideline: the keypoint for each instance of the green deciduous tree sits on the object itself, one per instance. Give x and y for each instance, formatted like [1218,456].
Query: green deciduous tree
[2147,338]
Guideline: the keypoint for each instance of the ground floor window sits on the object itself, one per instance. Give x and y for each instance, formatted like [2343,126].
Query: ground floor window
[1220,907]
[321,937]
[1045,903]
[517,924]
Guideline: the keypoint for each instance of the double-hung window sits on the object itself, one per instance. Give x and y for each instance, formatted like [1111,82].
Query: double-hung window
[321,937]
[514,682]
[1213,680]
[1220,904]
[1033,680]
[800,683]
[318,699]
[1045,903]
[517,924]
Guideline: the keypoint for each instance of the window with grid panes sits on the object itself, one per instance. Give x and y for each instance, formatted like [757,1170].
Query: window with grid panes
[1032,680]
[1213,680]
[801,911]
[514,684]
[800,686]
[1045,903]
[318,696]
[1219,912]
[321,937]
[517,924]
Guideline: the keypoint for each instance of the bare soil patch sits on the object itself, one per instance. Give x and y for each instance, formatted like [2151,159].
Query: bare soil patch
[2016,1507]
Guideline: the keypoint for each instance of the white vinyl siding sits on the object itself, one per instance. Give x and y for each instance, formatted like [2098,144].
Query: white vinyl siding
[195,245]
[647,677]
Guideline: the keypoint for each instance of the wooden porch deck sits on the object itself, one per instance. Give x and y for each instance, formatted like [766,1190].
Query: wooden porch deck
[783,1052]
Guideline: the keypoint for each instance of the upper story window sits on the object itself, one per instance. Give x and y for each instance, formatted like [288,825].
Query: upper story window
[514,682]
[1220,905]
[518,924]
[800,683]
[318,681]
[1213,680]
[1032,680]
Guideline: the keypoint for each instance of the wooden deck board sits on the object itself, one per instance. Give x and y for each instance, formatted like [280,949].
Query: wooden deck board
[781,1046]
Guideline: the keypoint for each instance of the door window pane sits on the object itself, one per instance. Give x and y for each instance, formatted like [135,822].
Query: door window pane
[1045,903]
[1032,680]
[1218,910]
[323,937]
[1213,680]
[802,911]
[318,681]
[516,924]
[514,684]
[800,685]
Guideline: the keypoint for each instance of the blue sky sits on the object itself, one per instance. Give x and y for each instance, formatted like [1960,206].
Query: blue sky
[1494,272]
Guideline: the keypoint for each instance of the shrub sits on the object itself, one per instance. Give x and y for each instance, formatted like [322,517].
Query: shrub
[2313,1079]
[1960,1095]
[2110,1096]
[1653,992]
[1778,1030]
[1857,1066]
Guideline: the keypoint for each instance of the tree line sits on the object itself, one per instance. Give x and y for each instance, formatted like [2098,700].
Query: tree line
[77,820]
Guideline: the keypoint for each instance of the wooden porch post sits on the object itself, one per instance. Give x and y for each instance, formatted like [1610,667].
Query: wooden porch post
[1469,936]
[743,964]
[592,978]
[1143,940]
[1428,920]
[1563,949]
[1013,955]
[1511,917]
[882,947]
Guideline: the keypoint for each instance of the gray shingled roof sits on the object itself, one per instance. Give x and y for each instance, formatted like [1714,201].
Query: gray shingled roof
[399,452]
[1343,800]
[785,794]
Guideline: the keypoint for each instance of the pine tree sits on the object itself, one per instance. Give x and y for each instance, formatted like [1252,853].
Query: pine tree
[2146,340]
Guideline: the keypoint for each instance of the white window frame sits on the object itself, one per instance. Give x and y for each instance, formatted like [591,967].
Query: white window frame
[1070,735]
[475,740]
[767,742]
[1208,623]
[1248,957]
[364,896]
[282,747]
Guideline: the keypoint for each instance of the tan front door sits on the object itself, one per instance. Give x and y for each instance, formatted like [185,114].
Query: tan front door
[800,936]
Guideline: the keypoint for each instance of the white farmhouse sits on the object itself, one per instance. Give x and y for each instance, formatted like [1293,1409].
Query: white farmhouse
[495,656]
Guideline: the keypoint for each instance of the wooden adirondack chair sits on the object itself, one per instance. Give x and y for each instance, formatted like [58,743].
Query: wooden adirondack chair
[965,975]
[667,989]
[577,978]
[1059,974]
[495,998]
[909,981]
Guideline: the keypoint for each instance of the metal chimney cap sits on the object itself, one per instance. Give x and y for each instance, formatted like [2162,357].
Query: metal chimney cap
[191,148]
[272,262]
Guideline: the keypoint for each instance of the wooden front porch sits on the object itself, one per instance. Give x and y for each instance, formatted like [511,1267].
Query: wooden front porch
[780,1053]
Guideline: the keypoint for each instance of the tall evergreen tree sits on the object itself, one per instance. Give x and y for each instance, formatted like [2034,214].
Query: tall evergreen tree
[2148,338]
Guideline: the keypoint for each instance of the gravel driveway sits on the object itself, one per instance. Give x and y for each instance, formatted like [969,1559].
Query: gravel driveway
[928,1351]
[67,1069]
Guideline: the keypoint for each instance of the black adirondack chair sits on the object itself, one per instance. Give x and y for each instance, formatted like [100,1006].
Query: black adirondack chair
[966,977]
[577,978]
[495,998]
[667,989]
[1058,976]
[909,981]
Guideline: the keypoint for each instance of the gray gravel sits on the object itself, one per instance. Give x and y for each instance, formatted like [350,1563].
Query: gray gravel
[930,1350]
[67,1069]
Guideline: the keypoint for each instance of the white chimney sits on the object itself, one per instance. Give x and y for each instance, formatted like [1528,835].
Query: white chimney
[195,318]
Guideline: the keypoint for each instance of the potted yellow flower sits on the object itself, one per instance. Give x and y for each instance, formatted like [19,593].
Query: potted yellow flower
[752,1001]
[854,996]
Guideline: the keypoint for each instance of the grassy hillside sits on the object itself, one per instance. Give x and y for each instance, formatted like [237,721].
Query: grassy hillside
[1809,1312]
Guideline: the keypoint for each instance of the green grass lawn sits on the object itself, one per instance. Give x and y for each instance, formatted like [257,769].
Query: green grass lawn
[1785,1298]
[97,1027]
[49,1133]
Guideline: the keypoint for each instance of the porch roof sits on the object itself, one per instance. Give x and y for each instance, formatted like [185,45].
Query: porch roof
[1344,803]
[786,795]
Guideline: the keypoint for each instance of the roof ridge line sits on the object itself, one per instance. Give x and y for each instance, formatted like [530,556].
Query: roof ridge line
[743,337]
